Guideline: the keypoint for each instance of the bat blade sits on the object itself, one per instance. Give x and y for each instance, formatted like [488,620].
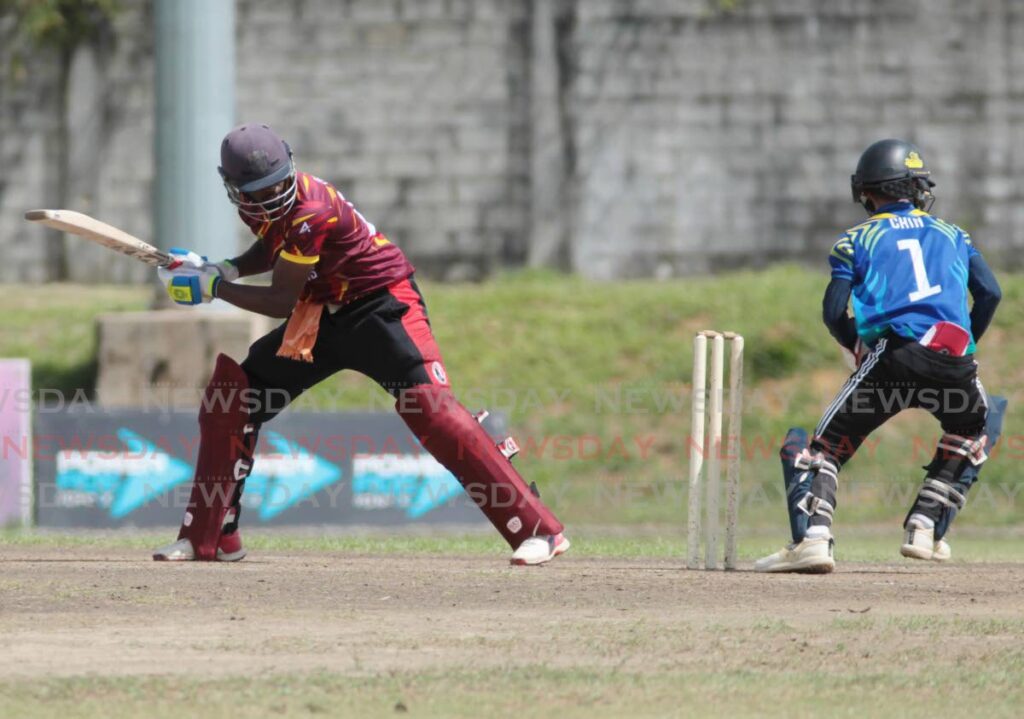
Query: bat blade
[101,233]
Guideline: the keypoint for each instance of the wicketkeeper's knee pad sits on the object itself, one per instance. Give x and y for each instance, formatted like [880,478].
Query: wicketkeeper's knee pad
[226,446]
[819,502]
[942,491]
[457,440]
[993,431]
[955,453]
[954,468]
[797,482]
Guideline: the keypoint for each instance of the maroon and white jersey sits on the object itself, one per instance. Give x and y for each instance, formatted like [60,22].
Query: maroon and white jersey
[347,256]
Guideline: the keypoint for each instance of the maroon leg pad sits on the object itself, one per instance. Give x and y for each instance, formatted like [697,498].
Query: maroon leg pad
[454,437]
[225,457]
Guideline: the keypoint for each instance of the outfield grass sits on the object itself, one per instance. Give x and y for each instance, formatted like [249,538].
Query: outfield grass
[859,544]
[604,632]
[595,376]
[757,691]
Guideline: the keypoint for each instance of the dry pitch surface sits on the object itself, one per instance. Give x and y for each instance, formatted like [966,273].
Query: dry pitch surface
[104,632]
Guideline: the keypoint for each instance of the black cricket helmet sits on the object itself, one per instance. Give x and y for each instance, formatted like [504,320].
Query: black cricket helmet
[896,169]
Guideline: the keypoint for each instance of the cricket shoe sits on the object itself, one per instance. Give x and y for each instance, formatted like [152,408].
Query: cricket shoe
[537,550]
[919,543]
[230,549]
[811,556]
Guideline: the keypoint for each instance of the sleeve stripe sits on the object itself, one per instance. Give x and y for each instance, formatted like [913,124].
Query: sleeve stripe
[297,220]
[299,259]
[840,257]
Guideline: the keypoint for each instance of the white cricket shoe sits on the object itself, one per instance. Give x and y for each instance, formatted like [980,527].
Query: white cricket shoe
[537,550]
[941,552]
[919,543]
[179,551]
[811,556]
[230,549]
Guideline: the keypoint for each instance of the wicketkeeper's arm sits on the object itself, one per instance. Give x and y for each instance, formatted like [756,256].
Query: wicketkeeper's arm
[984,288]
[834,314]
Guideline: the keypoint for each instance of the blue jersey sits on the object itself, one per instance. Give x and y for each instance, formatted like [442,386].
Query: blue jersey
[909,270]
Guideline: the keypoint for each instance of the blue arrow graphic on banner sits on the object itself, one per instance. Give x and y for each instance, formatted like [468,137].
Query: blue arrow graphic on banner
[413,483]
[437,486]
[155,473]
[287,479]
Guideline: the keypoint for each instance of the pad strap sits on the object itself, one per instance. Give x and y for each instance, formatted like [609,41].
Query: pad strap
[938,491]
[817,462]
[811,505]
[971,449]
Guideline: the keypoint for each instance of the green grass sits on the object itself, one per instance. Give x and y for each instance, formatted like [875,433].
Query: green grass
[759,690]
[594,377]
[578,364]
[54,326]
[588,542]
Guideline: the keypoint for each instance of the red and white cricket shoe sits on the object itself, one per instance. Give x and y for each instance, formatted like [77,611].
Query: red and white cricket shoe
[538,550]
[230,549]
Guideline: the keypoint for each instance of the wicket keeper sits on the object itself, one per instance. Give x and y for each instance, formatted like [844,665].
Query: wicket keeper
[912,340]
[351,302]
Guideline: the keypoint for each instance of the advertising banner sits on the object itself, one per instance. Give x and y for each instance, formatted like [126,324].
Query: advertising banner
[133,468]
[15,433]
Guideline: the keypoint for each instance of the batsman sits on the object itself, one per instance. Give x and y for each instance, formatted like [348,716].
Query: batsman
[912,339]
[351,302]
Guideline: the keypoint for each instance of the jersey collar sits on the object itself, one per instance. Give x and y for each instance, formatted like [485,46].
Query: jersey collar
[895,207]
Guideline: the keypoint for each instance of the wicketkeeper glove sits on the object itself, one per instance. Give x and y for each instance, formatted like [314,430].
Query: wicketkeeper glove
[854,357]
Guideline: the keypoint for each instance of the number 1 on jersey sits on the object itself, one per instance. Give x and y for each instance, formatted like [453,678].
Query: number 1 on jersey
[924,287]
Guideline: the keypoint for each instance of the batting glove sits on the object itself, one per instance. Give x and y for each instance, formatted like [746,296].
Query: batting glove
[193,289]
[189,279]
[225,268]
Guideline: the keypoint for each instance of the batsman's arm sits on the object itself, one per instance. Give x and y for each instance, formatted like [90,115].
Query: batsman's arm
[984,288]
[253,261]
[834,314]
[276,300]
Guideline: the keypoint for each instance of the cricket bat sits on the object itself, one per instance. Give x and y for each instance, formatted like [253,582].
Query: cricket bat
[102,234]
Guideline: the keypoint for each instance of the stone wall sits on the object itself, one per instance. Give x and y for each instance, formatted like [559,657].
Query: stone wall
[414,109]
[612,137]
[709,139]
[77,133]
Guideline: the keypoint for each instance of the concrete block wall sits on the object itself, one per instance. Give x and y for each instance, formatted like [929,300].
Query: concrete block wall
[77,135]
[616,138]
[708,139]
[410,107]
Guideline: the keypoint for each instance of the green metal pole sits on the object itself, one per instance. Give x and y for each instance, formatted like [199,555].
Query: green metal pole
[195,108]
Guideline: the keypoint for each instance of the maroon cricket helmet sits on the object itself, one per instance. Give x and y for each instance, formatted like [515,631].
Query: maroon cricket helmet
[254,158]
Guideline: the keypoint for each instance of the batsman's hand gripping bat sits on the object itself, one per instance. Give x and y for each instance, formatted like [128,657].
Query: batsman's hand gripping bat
[103,234]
